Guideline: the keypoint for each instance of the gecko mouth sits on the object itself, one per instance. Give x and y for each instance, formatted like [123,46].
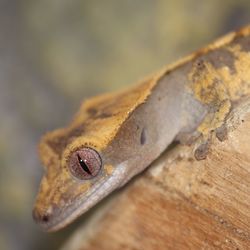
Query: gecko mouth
[57,218]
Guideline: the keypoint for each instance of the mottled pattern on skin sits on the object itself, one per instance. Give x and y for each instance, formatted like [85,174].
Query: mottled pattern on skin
[219,76]
[209,89]
[218,85]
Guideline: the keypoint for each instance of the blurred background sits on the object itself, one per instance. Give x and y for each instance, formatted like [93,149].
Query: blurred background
[54,54]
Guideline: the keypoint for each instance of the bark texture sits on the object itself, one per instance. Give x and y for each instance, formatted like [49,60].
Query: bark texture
[182,203]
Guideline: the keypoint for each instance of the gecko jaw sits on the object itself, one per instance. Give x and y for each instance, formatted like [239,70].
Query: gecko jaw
[98,192]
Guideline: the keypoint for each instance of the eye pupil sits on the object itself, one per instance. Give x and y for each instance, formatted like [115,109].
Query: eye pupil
[85,163]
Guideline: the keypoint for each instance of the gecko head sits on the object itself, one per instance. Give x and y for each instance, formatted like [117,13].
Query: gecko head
[73,183]
[82,162]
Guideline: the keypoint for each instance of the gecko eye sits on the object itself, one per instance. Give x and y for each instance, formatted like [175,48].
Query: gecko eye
[85,163]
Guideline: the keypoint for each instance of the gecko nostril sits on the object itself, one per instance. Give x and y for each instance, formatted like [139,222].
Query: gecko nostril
[39,217]
[45,218]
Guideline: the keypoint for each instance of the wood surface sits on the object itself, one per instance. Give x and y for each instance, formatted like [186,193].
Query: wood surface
[179,202]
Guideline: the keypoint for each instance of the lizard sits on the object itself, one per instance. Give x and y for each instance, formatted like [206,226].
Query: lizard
[115,136]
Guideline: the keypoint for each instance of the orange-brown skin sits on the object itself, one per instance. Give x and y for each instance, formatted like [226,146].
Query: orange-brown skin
[214,79]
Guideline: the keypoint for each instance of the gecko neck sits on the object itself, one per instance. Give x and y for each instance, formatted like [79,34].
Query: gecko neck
[155,124]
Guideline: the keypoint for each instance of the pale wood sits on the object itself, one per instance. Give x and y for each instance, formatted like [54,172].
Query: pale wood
[182,203]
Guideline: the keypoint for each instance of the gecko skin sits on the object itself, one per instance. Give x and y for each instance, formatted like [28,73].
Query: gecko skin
[113,137]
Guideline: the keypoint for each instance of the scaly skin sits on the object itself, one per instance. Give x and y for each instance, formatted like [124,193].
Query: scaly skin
[130,129]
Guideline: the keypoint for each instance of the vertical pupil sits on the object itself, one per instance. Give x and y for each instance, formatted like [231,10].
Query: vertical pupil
[83,165]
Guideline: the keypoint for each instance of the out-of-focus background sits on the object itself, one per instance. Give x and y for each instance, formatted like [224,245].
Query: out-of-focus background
[54,54]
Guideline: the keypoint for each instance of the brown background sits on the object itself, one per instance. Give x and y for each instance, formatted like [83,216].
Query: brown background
[53,54]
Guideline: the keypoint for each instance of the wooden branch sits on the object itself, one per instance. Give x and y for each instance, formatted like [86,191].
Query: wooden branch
[182,203]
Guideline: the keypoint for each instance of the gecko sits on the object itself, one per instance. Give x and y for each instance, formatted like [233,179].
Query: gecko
[115,136]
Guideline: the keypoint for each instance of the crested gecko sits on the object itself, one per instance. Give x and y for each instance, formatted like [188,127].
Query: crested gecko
[113,137]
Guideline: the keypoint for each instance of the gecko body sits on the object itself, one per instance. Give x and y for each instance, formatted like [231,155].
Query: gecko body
[113,137]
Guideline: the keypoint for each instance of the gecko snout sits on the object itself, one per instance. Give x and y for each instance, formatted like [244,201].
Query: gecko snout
[47,218]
